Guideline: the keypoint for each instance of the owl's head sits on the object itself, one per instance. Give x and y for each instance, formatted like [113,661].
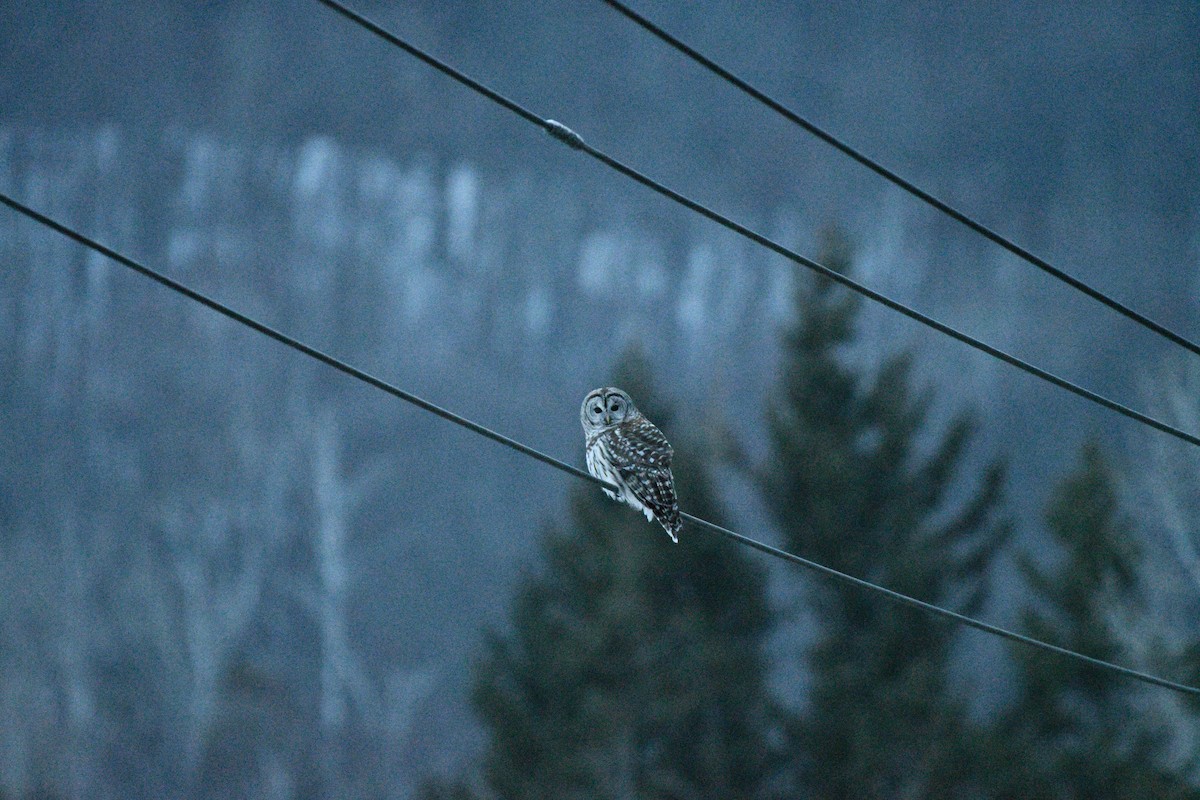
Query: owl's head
[604,408]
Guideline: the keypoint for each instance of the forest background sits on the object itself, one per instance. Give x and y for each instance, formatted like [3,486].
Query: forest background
[229,571]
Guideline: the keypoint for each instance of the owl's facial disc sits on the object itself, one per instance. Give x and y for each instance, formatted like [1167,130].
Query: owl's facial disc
[614,408]
[605,407]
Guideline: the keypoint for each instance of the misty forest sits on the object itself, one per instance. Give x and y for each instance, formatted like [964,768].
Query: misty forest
[228,570]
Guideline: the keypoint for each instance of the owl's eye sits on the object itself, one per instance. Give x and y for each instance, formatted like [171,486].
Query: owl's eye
[597,409]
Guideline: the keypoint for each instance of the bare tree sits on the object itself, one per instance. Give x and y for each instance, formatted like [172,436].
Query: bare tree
[216,527]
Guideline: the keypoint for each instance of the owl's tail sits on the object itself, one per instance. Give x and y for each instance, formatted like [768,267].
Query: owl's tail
[672,523]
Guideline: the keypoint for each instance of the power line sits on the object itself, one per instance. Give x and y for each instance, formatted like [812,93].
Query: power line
[475,427]
[902,182]
[574,140]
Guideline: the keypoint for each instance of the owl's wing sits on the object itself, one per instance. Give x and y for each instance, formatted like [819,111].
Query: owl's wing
[654,486]
[639,443]
[642,457]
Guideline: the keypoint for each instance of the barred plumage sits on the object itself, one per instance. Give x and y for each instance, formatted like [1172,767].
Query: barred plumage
[624,448]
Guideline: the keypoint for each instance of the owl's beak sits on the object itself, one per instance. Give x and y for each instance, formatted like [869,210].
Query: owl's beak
[608,419]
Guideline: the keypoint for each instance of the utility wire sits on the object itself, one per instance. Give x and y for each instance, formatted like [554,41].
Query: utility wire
[902,182]
[574,140]
[475,427]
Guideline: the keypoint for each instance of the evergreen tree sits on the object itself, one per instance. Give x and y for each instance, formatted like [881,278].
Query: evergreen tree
[634,667]
[1076,731]
[859,481]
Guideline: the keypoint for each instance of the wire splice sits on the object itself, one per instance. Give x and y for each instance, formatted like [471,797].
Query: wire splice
[562,466]
[565,134]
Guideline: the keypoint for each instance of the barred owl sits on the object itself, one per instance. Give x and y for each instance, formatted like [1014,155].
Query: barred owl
[624,448]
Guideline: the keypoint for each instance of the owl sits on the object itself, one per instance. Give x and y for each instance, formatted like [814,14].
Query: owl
[624,448]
